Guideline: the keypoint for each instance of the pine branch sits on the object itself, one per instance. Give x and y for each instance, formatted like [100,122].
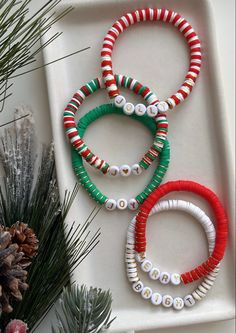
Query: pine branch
[83,311]
[20,32]
[31,195]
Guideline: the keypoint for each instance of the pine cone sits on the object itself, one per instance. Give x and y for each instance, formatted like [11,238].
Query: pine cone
[26,240]
[12,275]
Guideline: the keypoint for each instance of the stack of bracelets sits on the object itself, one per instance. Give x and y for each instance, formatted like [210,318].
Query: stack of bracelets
[153,115]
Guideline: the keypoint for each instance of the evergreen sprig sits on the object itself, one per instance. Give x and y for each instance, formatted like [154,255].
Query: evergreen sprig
[83,311]
[31,195]
[20,32]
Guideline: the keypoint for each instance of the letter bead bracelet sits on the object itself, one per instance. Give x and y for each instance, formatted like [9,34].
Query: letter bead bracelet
[132,258]
[220,217]
[141,15]
[95,161]
[84,178]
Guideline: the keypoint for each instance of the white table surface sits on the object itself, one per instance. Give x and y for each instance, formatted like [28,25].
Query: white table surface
[31,90]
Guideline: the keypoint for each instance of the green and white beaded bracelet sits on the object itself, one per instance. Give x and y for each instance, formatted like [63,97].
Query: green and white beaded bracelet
[84,178]
[95,161]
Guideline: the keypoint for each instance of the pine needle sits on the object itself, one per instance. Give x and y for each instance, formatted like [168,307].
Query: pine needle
[30,194]
[83,311]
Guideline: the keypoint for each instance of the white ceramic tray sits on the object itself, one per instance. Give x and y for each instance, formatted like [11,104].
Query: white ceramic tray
[200,151]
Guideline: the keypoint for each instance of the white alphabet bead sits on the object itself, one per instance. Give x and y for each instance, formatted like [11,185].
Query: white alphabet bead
[122,204]
[128,109]
[110,204]
[167,301]
[114,171]
[178,303]
[146,265]
[125,170]
[119,101]
[156,299]
[154,273]
[146,293]
[189,301]
[137,286]
[162,107]
[140,257]
[165,277]
[136,169]
[140,109]
[175,279]
[152,111]
[133,204]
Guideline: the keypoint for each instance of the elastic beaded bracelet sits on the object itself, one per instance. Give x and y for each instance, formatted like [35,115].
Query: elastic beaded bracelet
[87,154]
[84,178]
[220,217]
[151,14]
[188,207]
[178,303]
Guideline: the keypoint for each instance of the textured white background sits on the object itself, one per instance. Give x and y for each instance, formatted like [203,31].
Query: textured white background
[31,90]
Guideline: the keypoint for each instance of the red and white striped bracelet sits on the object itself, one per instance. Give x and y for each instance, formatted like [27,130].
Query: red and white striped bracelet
[151,14]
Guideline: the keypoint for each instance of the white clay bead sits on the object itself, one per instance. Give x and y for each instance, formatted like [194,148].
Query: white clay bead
[138,286]
[122,204]
[128,109]
[156,299]
[146,265]
[167,301]
[178,303]
[154,273]
[133,204]
[152,111]
[125,170]
[119,101]
[146,293]
[140,109]
[189,301]
[196,296]
[114,171]
[136,169]
[165,277]
[162,107]
[110,204]
[175,279]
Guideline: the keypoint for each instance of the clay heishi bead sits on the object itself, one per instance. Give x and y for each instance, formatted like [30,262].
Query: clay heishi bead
[162,107]
[189,301]
[122,204]
[128,109]
[136,169]
[167,301]
[137,286]
[152,111]
[154,273]
[156,299]
[175,279]
[110,204]
[119,101]
[125,170]
[113,170]
[140,109]
[165,277]
[146,265]
[146,293]
[178,303]
[133,204]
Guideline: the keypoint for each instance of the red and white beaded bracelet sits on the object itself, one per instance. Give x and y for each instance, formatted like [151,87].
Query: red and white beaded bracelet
[94,160]
[151,14]
[178,303]
[220,217]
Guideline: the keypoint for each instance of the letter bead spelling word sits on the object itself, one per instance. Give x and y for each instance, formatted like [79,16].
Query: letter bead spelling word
[156,299]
